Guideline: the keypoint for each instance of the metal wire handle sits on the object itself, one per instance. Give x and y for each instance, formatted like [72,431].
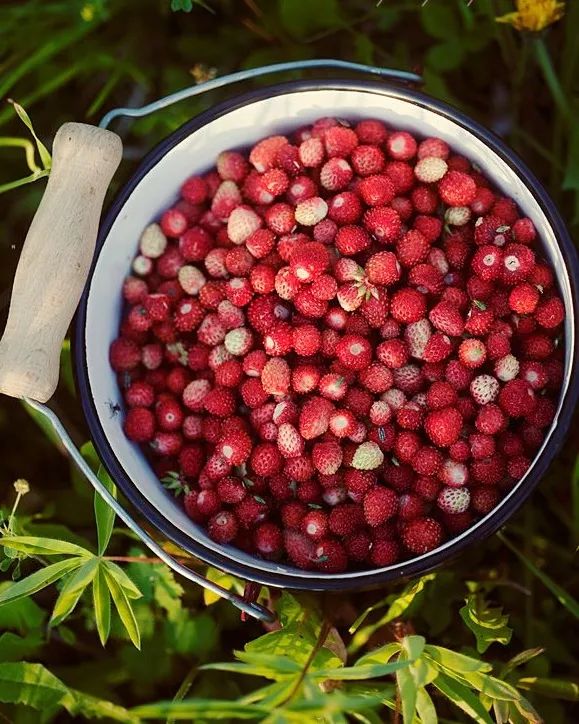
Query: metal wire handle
[248,607]
[398,75]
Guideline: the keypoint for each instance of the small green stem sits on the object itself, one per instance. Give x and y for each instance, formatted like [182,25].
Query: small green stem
[550,75]
[13,511]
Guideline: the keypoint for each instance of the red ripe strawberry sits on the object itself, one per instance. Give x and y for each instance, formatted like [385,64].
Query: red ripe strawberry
[166,443]
[252,393]
[268,540]
[380,504]
[230,490]
[289,441]
[299,548]
[433,147]
[139,424]
[265,459]
[124,355]
[490,419]
[534,373]
[376,377]
[223,527]
[331,556]
[487,262]
[518,263]
[374,309]
[324,287]
[407,305]
[263,155]
[351,240]
[443,427]
[447,318]
[438,348]
[309,260]
[345,208]
[342,423]
[440,394]
[169,414]
[383,223]
[173,222]
[489,471]
[483,499]
[305,378]
[311,152]
[327,457]
[354,352]
[308,305]
[139,394]
[401,146]
[524,231]
[457,188]
[219,401]
[367,160]
[315,524]
[376,190]
[306,340]
[232,166]
[426,278]
[550,313]
[454,473]
[371,131]
[383,268]
[422,535]
[275,376]
[260,243]
[427,460]
[384,553]
[401,174]
[333,386]
[393,353]
[472,353]
[506,209]
[479,321]
[336,174]
[251,511]
[345,519]
[517,398]
[537,346]
[314,417]
[412,248]
[453,500]
[358,546]
[350,296]
[300,469]
[325,231]
[288,159]
[262,278]
[409,416]
[208,502]
[424,199]
[278,341]
[340,141]
[498,345]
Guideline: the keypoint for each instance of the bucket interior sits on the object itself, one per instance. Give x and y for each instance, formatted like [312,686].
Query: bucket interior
[158,188]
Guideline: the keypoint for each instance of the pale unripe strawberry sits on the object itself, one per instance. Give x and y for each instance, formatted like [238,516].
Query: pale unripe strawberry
[416,336]
[238,341]
[457,215]
[191,279]
[142,265]
[311,211]
[507,368]
[430,169]
[394,397]
[153,242]
[484,389]
[242,223]
[453,500]
[368,456]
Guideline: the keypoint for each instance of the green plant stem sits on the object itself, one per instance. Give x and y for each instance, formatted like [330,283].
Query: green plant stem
[546,64]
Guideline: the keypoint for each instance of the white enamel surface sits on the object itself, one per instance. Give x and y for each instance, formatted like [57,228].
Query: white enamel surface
[238,129]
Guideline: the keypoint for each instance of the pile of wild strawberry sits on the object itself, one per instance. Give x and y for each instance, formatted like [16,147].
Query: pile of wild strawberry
[342,346]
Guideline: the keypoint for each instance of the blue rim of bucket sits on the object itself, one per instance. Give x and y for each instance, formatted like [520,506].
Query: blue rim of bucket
[311,580]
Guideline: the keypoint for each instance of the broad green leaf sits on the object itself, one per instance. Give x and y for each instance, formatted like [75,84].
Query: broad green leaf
[31,685]
[34,546]
[24,615]
[272,695]
[123,607]
[501,711]
[490,687]
[301,19]
[102,605]
[17,648]
[359,673]
[455,661]
[198,709]
[321,703]
[526,713]
[381,655]
[42,150]
[413,646]
[72,590]
[463,697]
[440,21]
[91,708]
[248,669]
[560,593]
[122,579]
[425,708]
[39,580]
[281,664]
[168,592]
[555,688]
[488,624]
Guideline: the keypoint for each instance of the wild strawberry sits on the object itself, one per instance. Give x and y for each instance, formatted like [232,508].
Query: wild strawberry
[490,419]
[422,535]
[230,490]
[268,540]
[331,556]
[354,352]
[226,198]
[325,231]
[299,548]
[324,287]
[517,398]
[401,146]
[472,353]
[430,169]
[453,473]
[438,348]
[384,553]
[351,240]
[380,504]
[488,471]
[139,424]
[483,499]
[124,355]
[327,457]
[289,441]
[457,188]
[518,262]
[433,147]
[345,208]
[484,389]
[443,427]
[427,460]
[315,524]
[311,153]
[376,190]
[309,260]
[368,456]
[223,527]
[219,401]
[232,166]
[383,223]
[252,393]
[305,378]
[265,459]
[453,500]
[367,160]
[336,174]
[238,341]
[424,199]
[152,356]
[300,469]
[550,313]
[333,386]
[308,305]
[153,242]
[340,141]
[407,305]
[383,268]
[507,368]
[166,443]
[412,248]
[342,423]
[263,155]
[371,131]
[311,211]
[534,373]
[275,376]
[169,414]
[314,417]
[440,394]
[173,222]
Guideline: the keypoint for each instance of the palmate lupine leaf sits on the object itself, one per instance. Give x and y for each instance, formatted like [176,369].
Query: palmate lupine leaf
[73,589]
[123,606]
[102,605]
[104,514]
[40,579]
[35,546]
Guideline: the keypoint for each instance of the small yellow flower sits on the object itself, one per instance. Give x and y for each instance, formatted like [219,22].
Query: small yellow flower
[534,15]
[87,12]
[21,486]
[202,73]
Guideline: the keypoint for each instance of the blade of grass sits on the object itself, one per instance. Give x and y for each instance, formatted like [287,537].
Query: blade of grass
[564,598]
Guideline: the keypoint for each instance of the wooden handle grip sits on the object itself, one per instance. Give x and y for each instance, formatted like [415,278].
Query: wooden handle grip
[56,259]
